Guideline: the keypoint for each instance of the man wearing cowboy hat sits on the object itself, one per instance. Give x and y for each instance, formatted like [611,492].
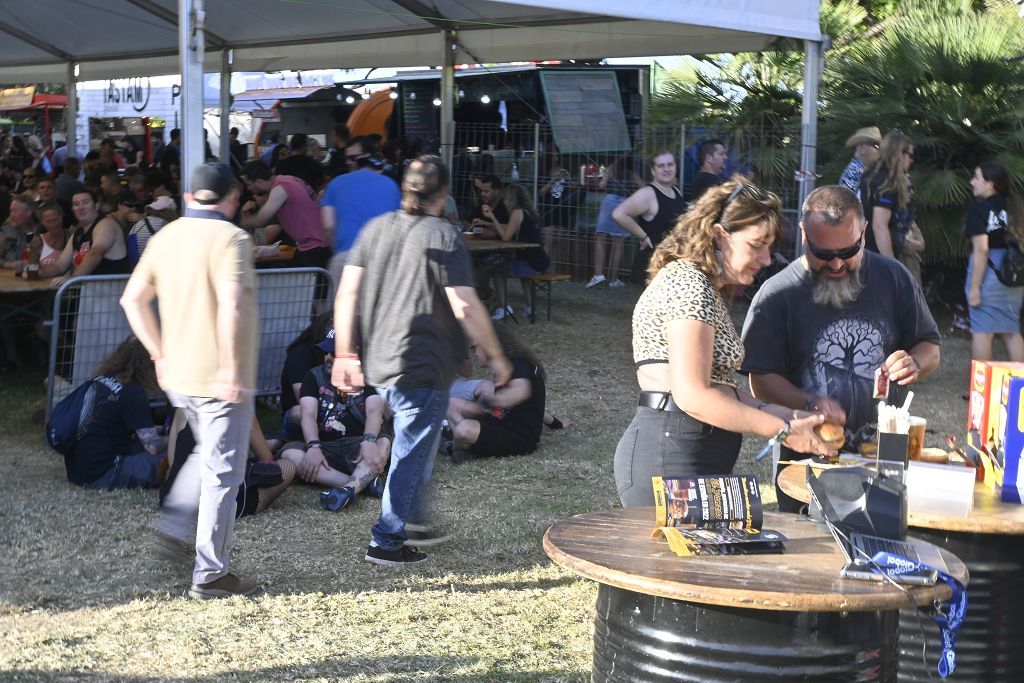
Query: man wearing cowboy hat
[865,144]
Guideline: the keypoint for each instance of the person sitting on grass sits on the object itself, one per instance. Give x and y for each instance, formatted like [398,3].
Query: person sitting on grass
[502,421]
[119,448]
[265,478]
[301,356]
[345,447]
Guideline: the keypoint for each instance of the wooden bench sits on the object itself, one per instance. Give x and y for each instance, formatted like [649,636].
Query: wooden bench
[542,283]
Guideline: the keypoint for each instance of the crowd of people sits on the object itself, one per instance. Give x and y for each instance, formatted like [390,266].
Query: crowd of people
[192,253]
[377,386]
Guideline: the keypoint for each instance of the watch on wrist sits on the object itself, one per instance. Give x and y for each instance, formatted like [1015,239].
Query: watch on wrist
[369,438]
[781,435]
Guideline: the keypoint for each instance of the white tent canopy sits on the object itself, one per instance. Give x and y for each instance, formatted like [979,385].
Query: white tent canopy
[47,40]
[121,38]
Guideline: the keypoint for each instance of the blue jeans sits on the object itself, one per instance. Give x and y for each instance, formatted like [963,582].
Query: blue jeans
[129,471]
[417,418]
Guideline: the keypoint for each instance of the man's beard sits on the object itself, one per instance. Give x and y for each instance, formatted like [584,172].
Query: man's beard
[836,293]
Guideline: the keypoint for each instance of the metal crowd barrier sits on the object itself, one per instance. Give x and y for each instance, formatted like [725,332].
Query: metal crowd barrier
[88,323]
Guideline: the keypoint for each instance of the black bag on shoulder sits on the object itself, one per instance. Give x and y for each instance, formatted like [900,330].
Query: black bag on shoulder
[1011,271]
[69,418]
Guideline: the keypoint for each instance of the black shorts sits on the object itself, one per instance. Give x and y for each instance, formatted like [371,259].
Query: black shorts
[341,454]
[497,439]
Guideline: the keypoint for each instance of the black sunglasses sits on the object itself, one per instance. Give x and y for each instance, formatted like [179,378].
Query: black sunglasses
[752,191]
[832,254]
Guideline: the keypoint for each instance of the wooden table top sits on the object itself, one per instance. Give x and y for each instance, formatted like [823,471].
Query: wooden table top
[14,284]
[989,515]
[477,246]
[615,547]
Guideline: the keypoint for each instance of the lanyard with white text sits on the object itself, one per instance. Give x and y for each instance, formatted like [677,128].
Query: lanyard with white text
[949,623]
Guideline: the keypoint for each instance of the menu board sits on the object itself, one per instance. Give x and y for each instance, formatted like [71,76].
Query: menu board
[585,111]
[418,110]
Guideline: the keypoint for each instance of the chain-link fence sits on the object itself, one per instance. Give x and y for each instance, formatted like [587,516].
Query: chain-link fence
[88,323]
[568,188]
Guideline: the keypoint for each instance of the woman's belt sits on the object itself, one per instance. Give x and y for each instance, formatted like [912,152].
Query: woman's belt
[659,400]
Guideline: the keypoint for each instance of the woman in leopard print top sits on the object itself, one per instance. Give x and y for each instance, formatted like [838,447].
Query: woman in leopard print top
[686,349]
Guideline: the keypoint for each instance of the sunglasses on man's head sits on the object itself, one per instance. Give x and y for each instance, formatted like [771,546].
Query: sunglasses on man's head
[832,254]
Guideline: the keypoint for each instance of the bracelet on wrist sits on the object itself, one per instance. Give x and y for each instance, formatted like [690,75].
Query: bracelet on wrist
[370,438]
[346,355]
[312,444]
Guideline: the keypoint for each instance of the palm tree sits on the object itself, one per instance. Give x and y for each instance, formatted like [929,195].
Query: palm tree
[950,74]
[752,101]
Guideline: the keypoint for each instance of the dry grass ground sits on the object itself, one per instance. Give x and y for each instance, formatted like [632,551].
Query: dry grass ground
[82,600]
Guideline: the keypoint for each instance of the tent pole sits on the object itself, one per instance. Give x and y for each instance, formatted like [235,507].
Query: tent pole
[191,52]
[448,97]
[809,133]
[225,106]
[71,111]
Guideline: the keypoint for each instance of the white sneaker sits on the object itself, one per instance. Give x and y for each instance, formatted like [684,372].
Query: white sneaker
[499,313]
[527,311]
[615,284]
[595,281]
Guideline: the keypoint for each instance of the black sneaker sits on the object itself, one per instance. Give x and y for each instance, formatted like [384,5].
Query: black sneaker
[459,456]
[376,487]
[424,537]
[445,448]
[394,558]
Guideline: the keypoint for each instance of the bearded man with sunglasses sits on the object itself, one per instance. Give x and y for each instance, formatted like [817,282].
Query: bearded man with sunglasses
[816,333]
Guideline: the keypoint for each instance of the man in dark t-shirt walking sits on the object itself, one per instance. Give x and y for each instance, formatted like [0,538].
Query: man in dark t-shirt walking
[410,276]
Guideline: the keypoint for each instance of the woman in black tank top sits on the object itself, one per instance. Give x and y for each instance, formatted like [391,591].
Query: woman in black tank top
[661,200]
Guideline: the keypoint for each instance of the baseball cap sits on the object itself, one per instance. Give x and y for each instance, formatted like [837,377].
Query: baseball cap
[211,182]
[161,203]
[327,345]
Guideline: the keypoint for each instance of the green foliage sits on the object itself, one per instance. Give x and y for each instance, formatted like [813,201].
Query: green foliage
[945,73]
[948,73]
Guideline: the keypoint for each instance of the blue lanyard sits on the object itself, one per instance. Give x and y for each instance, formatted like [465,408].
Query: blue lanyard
[950,622]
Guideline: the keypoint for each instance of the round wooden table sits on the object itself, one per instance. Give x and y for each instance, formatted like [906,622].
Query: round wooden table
[785,616]
[990,541]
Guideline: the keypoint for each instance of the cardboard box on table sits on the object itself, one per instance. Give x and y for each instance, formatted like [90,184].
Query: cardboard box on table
[1002,458]
[986,394]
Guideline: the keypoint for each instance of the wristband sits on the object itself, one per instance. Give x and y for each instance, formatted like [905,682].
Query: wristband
[312,444]
[346,355]
[369,438]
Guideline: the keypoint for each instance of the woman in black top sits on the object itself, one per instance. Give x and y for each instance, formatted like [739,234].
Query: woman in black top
[521,227]
[994,308]
[652,209]
[886,194]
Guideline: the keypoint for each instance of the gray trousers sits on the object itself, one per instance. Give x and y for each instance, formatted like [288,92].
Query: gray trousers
[201,502]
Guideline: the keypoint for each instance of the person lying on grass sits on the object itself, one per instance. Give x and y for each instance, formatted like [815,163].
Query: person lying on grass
[505,421]
[345,447]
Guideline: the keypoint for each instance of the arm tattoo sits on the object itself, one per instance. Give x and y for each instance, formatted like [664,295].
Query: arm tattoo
[151,440]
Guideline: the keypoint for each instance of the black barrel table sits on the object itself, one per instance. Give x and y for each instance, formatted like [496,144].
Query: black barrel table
[990,541]
[782,617]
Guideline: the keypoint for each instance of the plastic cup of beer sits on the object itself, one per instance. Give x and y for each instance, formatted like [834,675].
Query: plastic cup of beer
[915,437]
[33,271]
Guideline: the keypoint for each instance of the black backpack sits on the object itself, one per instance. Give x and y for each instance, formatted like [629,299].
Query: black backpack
[71,417]
[1011,271]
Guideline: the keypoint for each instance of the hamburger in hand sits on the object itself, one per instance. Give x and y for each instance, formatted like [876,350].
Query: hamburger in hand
[832,434]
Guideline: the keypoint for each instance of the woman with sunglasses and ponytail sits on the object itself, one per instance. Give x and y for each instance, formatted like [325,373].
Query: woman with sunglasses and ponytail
[886,192]
[691,414]
[994,308]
